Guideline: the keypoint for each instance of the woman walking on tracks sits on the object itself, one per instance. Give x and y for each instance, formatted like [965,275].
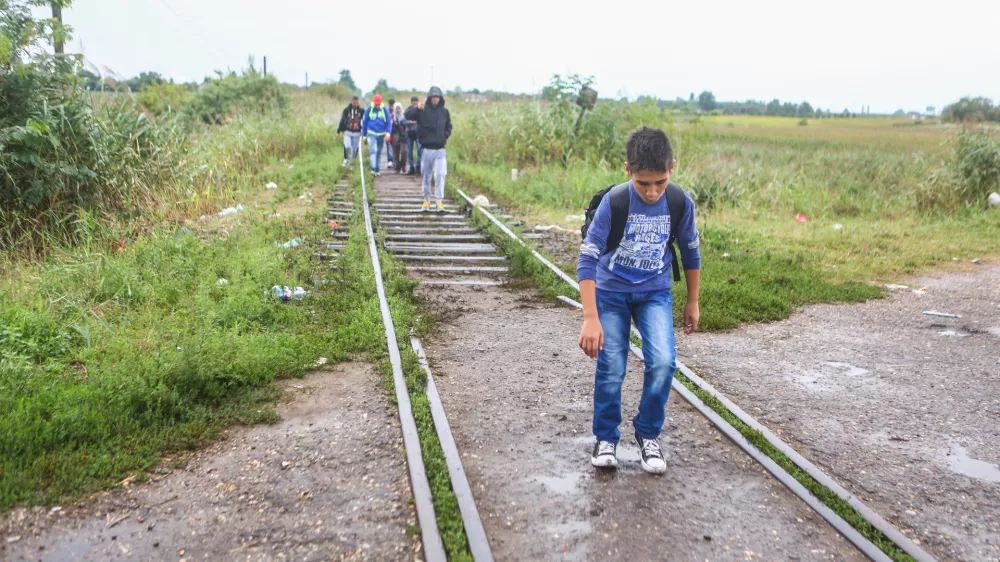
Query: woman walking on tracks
[624,273]
[434,130]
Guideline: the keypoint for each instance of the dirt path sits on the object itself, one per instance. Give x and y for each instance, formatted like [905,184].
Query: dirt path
[901,408]
[518,396]
[328,482]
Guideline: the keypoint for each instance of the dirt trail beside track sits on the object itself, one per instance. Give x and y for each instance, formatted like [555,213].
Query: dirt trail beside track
[901,408]
[327,482]
[518,394]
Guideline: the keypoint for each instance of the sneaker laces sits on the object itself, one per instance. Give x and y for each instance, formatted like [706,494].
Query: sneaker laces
[651,448]
[605,448]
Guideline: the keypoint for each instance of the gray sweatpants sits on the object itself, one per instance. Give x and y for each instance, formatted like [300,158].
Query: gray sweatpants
[434,162]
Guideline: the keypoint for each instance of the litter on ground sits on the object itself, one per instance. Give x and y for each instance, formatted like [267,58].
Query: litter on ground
[801,218]
[230,210]
[272,185]
[942,314]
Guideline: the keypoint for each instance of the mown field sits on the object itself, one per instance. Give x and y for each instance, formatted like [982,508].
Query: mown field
[884,198]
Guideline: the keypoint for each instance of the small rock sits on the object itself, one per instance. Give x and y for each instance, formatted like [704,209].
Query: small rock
[13,539]
[156,545]
[977,261]
[707,537]
[285,464]
[563,417]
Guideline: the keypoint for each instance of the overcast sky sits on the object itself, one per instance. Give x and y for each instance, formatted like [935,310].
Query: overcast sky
[836,55]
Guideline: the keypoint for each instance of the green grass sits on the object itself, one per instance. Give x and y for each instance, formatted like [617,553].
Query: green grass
[757,280]
[111,358]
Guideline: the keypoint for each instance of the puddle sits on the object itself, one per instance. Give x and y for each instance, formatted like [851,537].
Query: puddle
[568,484]
[959,461]
[849,370]
[830,376]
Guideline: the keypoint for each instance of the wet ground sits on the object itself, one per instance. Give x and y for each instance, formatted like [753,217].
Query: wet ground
[518,395]
[900,407]
[327,482]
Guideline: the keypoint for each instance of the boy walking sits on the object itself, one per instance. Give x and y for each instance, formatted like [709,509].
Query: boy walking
[624,273]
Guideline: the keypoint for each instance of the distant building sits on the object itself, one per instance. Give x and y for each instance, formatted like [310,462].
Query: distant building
[914,115]
[474,98]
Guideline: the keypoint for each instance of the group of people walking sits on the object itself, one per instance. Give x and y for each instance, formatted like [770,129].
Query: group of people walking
[416,136]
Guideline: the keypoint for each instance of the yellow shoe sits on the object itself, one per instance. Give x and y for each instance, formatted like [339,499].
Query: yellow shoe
[427,205]
[440,206]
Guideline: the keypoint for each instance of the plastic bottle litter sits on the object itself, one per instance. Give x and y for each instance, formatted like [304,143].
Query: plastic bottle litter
[994,199]
[272,185]
[231,210]
[513,174]
[977,261]
[290,244]
[942,314]
[298,293]
[281,293]
[222,282]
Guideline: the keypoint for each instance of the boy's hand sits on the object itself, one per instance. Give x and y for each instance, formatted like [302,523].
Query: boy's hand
[592,337]
[692,313]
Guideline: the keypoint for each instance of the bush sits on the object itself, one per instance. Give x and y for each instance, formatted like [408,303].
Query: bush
[163,98]
[977,162]
[251,92]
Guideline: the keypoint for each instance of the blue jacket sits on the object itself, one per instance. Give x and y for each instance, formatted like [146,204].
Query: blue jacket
[376,121]
[641,262]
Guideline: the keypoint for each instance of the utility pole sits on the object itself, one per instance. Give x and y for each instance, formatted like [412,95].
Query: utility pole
[265,65]
[57,15]
[432,75]
[307,79]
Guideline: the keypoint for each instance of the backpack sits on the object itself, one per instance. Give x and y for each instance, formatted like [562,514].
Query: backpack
[619,195]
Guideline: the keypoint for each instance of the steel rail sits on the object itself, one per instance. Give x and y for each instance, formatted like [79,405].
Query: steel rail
[479,544]
[423,499]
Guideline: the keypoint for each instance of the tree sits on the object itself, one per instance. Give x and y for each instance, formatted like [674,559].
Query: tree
[774,107]
[706,101]
[805,110]
[347,81]
[382,87]
[971,110]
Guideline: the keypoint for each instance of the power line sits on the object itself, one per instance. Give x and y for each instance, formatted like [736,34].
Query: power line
[198,31]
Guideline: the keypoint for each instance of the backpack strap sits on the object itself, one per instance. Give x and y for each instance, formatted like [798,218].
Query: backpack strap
[620,196]
[676,205]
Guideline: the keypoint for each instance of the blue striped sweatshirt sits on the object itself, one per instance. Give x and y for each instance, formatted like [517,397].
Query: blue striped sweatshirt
[641,262]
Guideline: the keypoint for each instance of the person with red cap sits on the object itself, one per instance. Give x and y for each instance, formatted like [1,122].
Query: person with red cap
[376,124]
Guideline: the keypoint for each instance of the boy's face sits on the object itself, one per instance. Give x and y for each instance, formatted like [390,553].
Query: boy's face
[650,185]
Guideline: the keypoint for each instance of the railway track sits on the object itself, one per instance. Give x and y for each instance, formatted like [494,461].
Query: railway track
[445,248]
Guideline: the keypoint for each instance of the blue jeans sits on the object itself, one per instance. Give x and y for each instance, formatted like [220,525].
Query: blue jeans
[375,144]
[410,145]
[388,148]
[653,314]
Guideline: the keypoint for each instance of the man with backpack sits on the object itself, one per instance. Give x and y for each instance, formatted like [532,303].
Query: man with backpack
[377,123]
[624,273]
[350,125]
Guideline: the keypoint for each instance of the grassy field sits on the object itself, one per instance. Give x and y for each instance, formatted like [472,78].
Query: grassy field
[882,198]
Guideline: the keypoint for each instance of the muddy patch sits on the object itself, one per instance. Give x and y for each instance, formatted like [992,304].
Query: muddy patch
[328,481]
[900,407]
[518,393]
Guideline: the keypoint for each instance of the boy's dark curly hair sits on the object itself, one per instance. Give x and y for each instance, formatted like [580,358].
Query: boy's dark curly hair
[649,149]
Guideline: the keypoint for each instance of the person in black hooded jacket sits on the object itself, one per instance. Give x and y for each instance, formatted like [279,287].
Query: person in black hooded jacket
[434,128]
[350,125]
